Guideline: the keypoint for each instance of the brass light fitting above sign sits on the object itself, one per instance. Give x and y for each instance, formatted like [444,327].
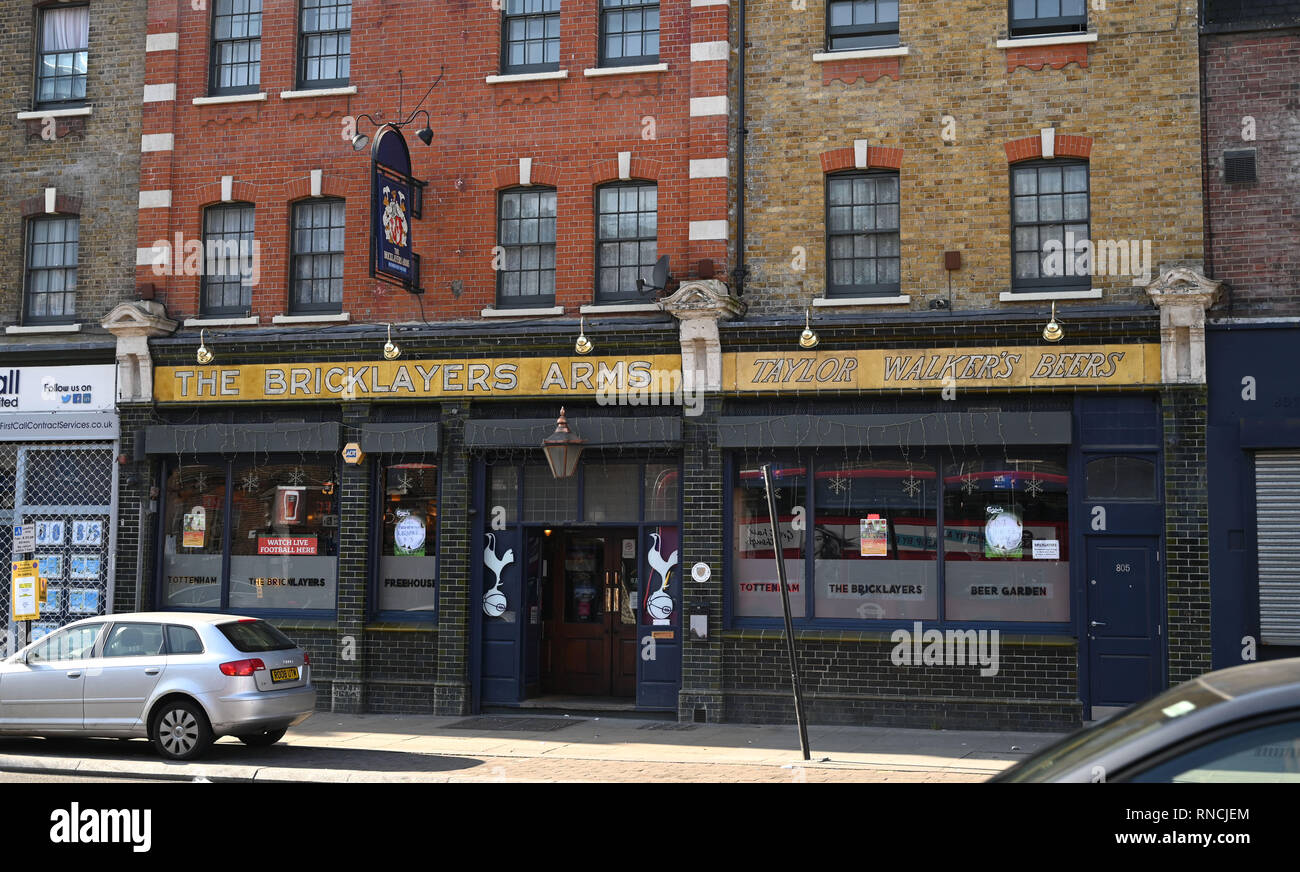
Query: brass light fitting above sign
[583,345]
[203,356]
[807,339]
[1053,332]
[391,351]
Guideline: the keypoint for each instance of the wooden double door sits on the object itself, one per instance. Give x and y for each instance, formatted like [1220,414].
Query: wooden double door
[589,640]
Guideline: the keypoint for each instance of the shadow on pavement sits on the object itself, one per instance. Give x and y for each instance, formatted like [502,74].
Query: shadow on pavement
[228,752]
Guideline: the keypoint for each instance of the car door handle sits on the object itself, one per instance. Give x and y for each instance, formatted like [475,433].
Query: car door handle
[76,674]
[152,670]
[1096,623]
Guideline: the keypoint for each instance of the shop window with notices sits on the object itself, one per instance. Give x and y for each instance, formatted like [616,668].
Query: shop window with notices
[194,536]
[952,536]
[408,556]
[756,586]
[1006,538]
[875,540]
[284,536]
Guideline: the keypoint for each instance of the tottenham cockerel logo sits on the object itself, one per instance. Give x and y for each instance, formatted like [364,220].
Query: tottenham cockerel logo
[397,230]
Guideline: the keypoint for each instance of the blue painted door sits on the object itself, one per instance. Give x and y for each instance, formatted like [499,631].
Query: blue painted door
[659,671]
[504,614]
[1124,619]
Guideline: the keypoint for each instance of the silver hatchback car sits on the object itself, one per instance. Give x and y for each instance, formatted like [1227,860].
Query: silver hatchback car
[178,679]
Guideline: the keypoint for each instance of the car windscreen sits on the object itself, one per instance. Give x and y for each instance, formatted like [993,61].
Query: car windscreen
[250,636]
[1090,742]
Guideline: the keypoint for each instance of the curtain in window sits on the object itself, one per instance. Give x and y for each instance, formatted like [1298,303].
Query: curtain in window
[66,29]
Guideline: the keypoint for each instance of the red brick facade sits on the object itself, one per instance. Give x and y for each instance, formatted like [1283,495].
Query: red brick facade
[1253,230]
[573,130]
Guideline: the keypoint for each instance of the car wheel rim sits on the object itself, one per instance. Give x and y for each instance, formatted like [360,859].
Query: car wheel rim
[179,731]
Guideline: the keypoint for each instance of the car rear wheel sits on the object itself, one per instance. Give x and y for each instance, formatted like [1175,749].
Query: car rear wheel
[180,730]
[261,740]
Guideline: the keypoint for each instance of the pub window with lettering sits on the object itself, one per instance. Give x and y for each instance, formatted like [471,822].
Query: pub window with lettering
[408,553]
[956,535]
[251,536]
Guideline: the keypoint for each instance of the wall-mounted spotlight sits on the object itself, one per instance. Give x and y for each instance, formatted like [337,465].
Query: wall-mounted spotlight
[583,345]
[425,133]
[203,356]
[391,351]
[807,339]
[1053,332]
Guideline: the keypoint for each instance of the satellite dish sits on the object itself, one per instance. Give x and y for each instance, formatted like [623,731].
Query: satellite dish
[659,278]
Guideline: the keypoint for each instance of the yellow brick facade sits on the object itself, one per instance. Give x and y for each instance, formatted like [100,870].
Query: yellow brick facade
[1137,99]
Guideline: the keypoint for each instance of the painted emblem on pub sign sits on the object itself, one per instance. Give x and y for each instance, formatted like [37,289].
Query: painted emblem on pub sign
[397,229]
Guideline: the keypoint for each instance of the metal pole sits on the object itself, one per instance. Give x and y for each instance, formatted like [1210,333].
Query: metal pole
[785,605]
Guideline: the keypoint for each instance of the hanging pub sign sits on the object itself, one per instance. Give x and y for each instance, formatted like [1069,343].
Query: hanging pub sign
[396,199]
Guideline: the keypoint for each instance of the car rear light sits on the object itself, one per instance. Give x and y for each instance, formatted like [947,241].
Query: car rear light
[242,667]
[306,659]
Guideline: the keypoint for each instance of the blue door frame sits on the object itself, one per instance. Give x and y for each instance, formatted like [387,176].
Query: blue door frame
[500,645]
[1101,590]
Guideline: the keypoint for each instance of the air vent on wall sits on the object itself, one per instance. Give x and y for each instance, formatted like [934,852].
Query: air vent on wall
[1239,167]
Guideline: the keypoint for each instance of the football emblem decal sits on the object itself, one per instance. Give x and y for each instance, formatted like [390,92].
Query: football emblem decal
[494,601]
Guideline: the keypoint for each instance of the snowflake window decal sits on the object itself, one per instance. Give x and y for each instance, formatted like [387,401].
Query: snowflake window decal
[297,477]
[969,485]
[250,482]
[1033,487]
[912,485]
[838,484]
[201,482]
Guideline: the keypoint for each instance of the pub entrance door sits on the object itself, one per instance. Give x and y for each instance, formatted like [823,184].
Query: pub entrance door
[589,612]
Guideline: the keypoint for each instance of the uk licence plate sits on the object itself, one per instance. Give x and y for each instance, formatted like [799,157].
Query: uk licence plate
[290,674]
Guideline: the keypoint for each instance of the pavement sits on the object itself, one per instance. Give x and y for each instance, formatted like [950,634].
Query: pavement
[528,747]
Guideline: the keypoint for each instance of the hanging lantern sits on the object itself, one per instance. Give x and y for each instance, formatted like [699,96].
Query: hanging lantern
[562,449]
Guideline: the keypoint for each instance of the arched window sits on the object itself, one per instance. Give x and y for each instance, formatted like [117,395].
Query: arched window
[53,246]
[862,247]
[1049,217]
[526,234]
[228,266]
[317,282]
[627,238]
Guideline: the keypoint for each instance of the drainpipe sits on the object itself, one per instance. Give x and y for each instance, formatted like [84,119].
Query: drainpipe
[739,272]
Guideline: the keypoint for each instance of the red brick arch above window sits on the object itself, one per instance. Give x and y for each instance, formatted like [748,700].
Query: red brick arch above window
[878,157]
[300,189]
[1031,147]
[240,192]
[541,174]
[64,204]
[603,171]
